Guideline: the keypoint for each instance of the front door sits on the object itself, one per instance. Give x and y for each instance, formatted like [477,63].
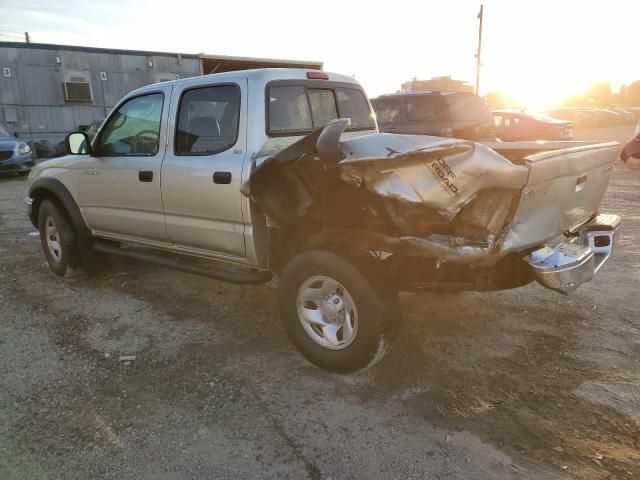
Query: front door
[202,169]
[119,185]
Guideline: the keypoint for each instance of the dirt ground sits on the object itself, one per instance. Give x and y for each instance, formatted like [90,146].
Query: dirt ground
[519,384]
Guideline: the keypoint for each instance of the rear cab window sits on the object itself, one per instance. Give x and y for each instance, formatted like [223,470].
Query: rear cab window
[298,107]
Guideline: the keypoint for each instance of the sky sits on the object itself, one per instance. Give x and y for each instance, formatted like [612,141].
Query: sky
[538,52]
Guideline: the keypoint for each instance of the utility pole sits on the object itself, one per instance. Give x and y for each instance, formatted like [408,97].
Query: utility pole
[478,59]
[27,37]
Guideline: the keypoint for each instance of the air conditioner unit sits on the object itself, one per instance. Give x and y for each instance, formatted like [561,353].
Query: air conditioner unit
[77,91]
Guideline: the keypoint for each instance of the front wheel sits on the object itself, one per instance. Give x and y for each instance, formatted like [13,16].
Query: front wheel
[57,238]
[333,314]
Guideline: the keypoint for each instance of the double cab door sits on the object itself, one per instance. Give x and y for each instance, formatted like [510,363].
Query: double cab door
[167,168]
[202,168]
[119,183]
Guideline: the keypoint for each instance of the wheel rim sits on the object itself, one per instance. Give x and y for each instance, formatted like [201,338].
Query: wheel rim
[53,239]
[327,312]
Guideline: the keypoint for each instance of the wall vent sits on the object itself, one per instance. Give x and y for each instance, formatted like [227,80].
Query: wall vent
[77,91]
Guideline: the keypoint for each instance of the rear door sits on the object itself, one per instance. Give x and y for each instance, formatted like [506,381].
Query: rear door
[202,169]
[119,185]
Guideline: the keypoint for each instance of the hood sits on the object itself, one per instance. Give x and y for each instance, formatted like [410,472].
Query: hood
[66,162]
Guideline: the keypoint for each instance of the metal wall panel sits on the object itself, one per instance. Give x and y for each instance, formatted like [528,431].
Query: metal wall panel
[36,57]
[75,60]
[35,88]
[8,56]
[40,86]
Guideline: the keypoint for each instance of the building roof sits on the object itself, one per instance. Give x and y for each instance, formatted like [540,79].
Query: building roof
[202,56]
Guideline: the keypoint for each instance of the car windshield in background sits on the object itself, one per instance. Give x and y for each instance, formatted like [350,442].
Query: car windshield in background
[4,132]
[468,108]
[387,109]
[424,108]
[301,108]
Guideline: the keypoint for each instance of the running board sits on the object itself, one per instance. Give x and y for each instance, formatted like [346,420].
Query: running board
[239,278]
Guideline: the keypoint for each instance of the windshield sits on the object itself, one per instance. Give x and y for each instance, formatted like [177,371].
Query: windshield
[301,107]
[4,131]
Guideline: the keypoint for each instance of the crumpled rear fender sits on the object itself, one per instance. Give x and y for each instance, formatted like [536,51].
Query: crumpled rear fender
[440,173]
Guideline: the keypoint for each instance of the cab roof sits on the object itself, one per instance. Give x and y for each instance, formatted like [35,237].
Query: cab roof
[259,76]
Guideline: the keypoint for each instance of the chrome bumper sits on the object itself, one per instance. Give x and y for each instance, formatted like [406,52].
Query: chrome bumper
[567,265]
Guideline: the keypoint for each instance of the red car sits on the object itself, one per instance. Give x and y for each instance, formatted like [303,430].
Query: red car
[515,125]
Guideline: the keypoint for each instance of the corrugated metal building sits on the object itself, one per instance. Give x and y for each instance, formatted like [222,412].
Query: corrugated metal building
[47,91]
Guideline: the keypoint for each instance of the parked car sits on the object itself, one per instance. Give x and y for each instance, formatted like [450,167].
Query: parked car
[578,117]
[443,114]
[283,171]
[632,148]
[513,125]
[626,116]
[15,155]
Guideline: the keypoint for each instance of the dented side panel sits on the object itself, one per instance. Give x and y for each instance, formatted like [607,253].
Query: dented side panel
[442,174]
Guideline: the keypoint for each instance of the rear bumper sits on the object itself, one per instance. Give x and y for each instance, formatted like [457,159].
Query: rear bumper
[567,265]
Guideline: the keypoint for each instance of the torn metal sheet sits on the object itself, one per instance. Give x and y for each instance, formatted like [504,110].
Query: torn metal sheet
[440,173]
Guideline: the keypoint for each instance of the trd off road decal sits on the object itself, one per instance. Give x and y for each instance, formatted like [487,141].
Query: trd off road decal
[444,175]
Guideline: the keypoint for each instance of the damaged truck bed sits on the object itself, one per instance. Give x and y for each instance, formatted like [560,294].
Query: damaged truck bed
[442,212]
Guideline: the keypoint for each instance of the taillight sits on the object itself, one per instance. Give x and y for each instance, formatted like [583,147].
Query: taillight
[317,75]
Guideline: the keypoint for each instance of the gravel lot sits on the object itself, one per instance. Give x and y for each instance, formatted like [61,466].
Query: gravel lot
[519,384]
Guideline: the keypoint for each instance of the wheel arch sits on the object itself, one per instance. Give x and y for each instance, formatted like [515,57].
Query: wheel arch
[54,190]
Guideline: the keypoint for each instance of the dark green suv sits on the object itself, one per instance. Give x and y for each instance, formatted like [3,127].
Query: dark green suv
[442,114]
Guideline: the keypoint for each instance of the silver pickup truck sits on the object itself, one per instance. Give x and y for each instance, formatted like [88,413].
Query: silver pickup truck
[240,175]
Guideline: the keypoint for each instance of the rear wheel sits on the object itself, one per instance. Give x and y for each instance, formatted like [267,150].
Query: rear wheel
[57,238]
[333,314]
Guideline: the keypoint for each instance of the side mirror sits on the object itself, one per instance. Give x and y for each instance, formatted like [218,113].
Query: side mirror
[78,143]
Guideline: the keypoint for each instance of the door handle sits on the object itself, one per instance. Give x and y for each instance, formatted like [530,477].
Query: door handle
[145,176]
[223,178]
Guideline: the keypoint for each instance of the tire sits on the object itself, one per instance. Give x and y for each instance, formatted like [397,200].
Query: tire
[57,238]
[333,314]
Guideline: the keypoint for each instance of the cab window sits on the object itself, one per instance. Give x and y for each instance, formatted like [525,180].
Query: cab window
[208,120]
[298,109]
[134,129]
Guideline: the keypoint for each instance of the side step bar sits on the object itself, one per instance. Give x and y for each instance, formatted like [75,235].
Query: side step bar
[253,277]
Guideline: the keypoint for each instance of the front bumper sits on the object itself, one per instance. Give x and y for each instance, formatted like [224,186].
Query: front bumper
[18,163]
[569,264]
